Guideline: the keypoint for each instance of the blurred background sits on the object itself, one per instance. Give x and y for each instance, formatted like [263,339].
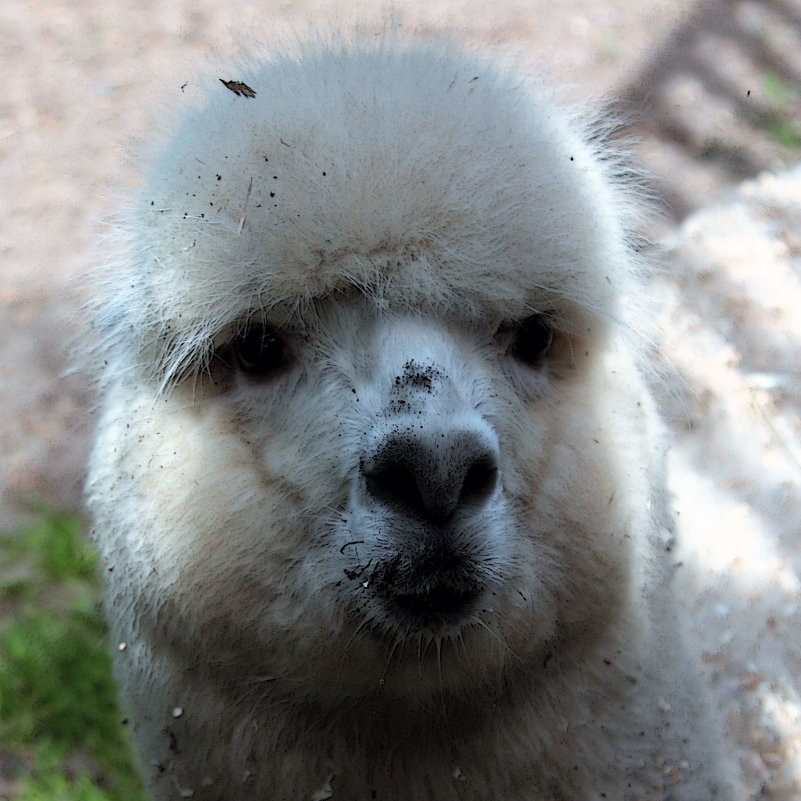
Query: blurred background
[712,89]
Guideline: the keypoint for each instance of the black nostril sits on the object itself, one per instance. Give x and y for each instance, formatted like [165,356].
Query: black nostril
[480,480]
[394,485]
[432,477]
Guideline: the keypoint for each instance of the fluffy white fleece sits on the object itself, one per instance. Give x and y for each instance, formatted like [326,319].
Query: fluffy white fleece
[418,553]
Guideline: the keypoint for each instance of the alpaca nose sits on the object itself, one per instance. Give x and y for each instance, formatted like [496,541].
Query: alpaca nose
[432,476]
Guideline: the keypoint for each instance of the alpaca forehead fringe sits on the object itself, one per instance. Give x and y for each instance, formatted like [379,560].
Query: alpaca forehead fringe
[414,174]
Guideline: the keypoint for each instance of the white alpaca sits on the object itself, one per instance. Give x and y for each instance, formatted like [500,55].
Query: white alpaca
[374,478]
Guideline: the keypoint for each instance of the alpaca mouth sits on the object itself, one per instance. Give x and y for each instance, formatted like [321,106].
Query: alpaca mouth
[429,591]
[434,608]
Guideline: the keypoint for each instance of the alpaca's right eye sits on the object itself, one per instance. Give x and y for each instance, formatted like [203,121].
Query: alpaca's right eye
[259,351]
[533,339]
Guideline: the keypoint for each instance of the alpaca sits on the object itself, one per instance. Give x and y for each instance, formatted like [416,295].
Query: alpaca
[377,476]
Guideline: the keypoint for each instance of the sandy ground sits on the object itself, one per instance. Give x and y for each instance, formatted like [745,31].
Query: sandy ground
[730,336]
[714,88]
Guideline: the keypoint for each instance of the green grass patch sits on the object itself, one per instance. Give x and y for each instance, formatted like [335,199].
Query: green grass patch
[782,96]
[787,133]
[61,735]
[779,92]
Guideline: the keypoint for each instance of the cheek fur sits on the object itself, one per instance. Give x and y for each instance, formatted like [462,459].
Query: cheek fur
[571,487]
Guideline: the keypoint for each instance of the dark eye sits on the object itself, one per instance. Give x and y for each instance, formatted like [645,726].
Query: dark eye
[533,339]
[259,351]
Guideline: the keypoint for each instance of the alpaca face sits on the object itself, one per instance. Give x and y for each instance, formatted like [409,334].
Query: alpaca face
[397,501]
[358,379]
[399,469]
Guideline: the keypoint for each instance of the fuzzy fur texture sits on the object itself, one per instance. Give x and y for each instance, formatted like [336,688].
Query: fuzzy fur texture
[409,560]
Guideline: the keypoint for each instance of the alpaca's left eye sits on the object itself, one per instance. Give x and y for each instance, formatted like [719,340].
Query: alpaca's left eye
[533,339]
[260,351]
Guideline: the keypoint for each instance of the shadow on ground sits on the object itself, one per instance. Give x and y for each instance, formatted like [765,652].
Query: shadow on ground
[720,99]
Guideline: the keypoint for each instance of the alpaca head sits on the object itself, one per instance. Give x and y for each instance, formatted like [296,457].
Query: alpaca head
[359,357]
